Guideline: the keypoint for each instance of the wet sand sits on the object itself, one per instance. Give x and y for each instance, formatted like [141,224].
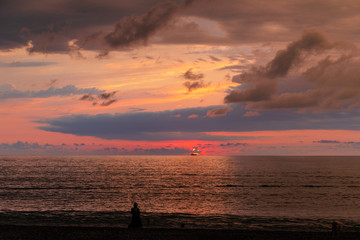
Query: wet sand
[79,233]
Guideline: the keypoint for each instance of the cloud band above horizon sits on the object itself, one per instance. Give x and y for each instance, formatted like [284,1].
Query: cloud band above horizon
[158,126]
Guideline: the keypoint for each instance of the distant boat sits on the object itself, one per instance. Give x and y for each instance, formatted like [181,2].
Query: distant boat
[195,151]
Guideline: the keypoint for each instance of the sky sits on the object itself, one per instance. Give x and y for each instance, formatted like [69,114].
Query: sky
[231,77]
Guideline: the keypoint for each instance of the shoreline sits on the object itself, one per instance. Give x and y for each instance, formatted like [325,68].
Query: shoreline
[12,232]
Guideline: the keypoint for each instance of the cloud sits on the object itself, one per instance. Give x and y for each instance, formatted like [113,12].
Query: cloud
[185,31]
[193,85]
[216,112]
[52,82]
[189,75]
[88,97]
[107,103]
[106,96]
[235,68]
[89,22]
[311,41]
[195,80]
[233,144]
[161,151]
[247,21]
[326,141]
[21,145]
[84,25]
[138,29]
[311,73]
[262,91]
[102,99]
[8,91]
[353,143]
[24,147]
[134,109]
[251,114]
[193,116]
[215,58]
[26,64]
[162,126]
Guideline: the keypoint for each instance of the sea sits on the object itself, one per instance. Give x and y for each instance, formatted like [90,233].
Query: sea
[294,193]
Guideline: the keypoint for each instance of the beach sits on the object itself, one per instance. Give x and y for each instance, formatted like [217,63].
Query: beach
[10,232]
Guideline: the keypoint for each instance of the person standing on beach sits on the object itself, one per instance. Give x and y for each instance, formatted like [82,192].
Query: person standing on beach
[135,219]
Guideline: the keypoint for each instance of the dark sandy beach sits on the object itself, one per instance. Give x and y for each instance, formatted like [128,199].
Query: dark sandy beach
[63,233]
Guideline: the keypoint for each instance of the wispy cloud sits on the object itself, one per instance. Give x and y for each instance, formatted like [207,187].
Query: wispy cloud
[102,99]
[190,75]
[8,91]
[216,112]
[18,64]
[194,80]
[327,141]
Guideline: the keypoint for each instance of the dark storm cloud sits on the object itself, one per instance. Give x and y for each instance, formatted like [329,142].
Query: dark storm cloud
[184,32]
[50,25]
[138,29]
[265,80]
[261,92]
[160,126]
[311,41]
[8,91]
[248,21]
[68,26]
[328,83]
[188,2]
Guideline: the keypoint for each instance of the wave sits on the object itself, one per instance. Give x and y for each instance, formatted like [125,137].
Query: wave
[230,186]
[316,186]
[270,186]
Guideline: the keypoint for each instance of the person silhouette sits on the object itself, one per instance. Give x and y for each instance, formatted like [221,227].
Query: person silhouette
[135,219]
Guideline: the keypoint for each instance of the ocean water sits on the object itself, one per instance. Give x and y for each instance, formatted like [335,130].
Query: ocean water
[236,192]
